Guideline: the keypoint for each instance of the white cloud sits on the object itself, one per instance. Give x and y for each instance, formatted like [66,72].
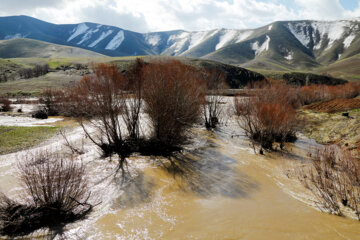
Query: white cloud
[324,10]
[161,15]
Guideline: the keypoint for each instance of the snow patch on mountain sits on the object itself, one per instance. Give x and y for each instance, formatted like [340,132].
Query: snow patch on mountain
[243,35]
[232,36]
[225,38]
[289,56]
[80,29]
[102,37]
[333,30]
[301,32]
[152,39]
[348,41]
[116,41]
[270,27]
[260,48]
[178,41]
[196,38]
[88,35]
[17,35]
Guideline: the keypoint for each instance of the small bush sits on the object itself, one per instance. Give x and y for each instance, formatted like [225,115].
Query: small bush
[213,110]
[5,105]
[53,101]
[334,178]
[269,116]
[40,114]
[56,192]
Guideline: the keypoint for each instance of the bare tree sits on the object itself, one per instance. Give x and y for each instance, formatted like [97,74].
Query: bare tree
[212,108]
[133,104]
[99,100]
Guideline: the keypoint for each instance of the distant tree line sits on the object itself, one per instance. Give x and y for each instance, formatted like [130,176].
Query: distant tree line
[37,71]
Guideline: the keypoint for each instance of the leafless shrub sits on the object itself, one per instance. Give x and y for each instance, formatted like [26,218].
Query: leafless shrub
[133,103]
[212,108]
[70,145]
[269,116]
[5,104]
[36,71]
[56,193]
[173,97]
[53,101]
[334,178]
[99,101]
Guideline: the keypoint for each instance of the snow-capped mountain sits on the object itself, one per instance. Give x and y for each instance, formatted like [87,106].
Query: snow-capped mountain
[280,44]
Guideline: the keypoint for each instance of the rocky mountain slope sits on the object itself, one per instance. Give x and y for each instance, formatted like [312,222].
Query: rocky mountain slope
[285,45]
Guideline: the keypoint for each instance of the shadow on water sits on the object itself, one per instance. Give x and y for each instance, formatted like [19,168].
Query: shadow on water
[138,190]
[205,171]
[208,172]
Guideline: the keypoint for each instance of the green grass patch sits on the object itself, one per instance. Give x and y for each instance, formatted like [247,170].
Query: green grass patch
[13,139]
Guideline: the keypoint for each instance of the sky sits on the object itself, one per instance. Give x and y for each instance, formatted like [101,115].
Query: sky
[192,15]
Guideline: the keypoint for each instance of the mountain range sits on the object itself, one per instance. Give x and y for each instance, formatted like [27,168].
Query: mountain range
[282,45]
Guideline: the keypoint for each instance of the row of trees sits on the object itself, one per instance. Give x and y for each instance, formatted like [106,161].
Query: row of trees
[36,71]
[169,93]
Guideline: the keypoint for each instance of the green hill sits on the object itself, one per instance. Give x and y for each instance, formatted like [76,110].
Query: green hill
[28,48]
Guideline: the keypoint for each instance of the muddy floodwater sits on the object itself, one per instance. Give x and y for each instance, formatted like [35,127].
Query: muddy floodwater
[217,189]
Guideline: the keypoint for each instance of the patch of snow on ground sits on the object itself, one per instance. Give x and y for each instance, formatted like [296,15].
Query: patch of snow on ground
[80,29]
[259,49]
[152,39]
[348,41]
[270,27]
[116,41]
[290,56]
[25,121]
[17,35]
[301,32]
[102,37]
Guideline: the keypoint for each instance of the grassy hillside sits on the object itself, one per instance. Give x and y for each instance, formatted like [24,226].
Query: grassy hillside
[347,69]
[28,48]
[235,76]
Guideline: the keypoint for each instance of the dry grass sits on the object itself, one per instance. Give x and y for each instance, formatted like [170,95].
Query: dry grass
[335,105]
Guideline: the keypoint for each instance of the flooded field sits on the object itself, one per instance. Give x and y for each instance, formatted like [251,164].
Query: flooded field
[216,189]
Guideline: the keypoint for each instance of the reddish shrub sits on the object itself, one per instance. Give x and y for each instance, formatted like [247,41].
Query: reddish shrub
[173,97]
[269,116]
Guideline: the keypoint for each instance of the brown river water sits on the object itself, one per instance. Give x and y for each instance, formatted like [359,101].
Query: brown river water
[218,189]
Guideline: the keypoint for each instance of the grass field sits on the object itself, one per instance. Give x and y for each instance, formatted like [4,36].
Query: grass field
[13,139]
[330,128]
